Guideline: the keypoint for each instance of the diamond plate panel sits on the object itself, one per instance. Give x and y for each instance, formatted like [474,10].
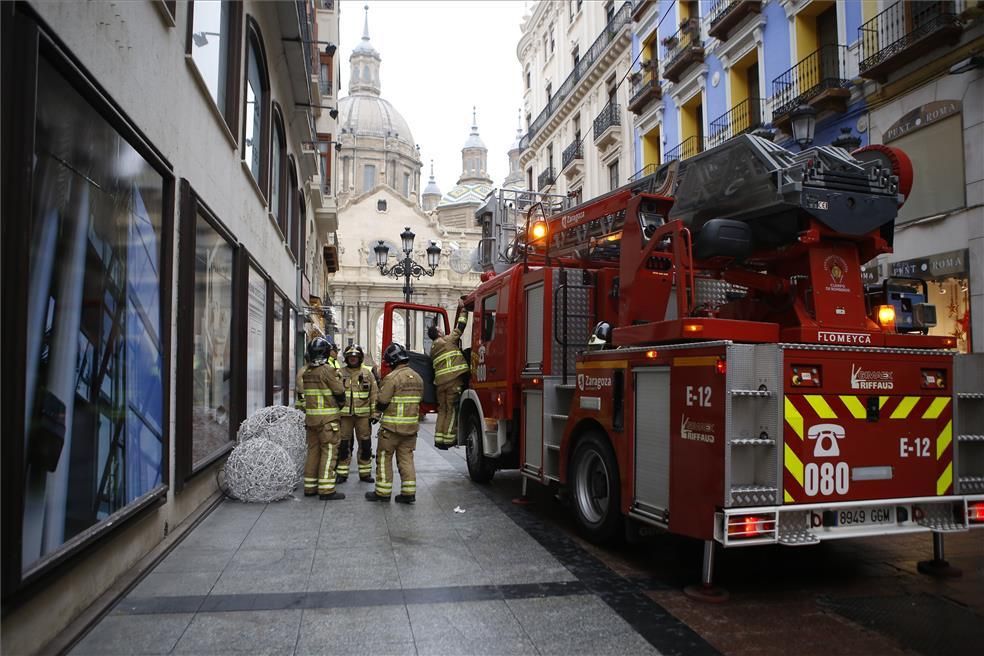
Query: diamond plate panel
[574,326]
[753,424]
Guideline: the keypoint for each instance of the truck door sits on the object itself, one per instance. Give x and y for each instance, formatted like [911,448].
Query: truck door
[490,355]
[407,323]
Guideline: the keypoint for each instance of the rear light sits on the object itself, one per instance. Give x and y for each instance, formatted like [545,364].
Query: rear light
[975,512]
[652,355]
[693,327]
[721,366]
[743,527]
[886,317]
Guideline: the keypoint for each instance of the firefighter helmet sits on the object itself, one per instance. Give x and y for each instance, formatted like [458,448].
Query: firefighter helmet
[601,336]
[317,349]
[395,355]
[354,350]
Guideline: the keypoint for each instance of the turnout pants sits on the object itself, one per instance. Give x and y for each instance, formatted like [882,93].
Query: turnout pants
[402,446]
[322,453]
[446,431]
[363,433]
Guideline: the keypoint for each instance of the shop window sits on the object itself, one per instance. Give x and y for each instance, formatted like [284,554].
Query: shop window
[211,431]
[94,375]
[938,184]
[256,324]
[256,110]
[214,40]
[279,382]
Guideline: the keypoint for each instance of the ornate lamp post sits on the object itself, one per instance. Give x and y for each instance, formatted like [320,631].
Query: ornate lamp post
[407,267]
[804,122]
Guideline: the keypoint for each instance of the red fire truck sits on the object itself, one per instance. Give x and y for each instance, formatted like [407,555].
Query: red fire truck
[749,392]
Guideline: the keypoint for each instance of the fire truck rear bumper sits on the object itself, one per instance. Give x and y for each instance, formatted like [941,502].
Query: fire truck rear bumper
[803,524]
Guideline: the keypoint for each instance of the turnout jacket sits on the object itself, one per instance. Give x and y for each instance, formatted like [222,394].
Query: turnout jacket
[319,389]
[449,361]
[360,391]
[399,401]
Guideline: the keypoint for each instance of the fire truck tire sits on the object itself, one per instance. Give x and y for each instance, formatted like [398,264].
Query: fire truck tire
[595,489]
[480,468]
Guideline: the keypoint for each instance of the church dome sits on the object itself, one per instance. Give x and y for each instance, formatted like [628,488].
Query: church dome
[372,116]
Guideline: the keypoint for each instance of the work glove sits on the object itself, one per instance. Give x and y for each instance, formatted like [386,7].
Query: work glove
[373,421]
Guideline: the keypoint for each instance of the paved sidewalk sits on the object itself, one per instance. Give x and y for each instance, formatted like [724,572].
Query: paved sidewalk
[304,576]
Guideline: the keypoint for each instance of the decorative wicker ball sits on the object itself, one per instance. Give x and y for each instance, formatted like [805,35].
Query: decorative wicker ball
[259,471]
[281,425]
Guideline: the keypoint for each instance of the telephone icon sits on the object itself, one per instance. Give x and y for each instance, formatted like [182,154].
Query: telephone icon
[826,436]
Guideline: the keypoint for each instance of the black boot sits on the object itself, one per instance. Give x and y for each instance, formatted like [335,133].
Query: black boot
[334,496]
[372,496]
[310,494]
[341,478]
[406,498]
[367,479]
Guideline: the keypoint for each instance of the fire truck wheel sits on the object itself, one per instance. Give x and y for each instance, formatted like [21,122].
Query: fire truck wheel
[595,489]
[480,468]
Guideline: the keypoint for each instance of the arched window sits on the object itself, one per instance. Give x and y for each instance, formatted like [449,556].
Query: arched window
[256,111]
[278,172]
[294,209]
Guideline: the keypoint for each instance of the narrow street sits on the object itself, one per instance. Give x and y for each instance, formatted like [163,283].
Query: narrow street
[305,577]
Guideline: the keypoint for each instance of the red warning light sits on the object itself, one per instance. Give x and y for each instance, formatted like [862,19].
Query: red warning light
[721,366]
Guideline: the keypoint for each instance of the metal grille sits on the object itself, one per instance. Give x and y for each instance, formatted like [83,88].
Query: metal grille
[652,462]
[572,320]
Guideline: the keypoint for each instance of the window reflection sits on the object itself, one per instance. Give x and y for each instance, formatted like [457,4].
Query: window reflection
[94,363]
[278,349]
[210,20]
[213,345]
[255,101]
[256,344]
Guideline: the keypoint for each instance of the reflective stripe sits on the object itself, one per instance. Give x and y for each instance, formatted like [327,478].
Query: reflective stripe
[406,399]
[398,420]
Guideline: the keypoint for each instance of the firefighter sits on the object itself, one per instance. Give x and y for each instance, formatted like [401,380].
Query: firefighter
[333,355]
[360,399]
[601,336]
[320,393]
[397,411]
[450,369]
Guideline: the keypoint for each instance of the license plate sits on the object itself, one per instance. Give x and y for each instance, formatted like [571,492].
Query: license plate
[864,516]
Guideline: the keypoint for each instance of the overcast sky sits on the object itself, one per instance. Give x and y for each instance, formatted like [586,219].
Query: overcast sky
[438,59]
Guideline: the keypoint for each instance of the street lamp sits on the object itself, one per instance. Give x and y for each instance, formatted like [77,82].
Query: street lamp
[407,267]
[804,123]
[846,140]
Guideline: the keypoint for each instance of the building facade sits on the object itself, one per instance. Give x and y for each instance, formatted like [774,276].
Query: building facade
[574,57]
[379,177]
[157,260]
[876,71]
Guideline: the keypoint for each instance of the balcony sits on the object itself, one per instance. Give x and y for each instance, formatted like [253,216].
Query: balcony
[727,14]
[682,50]
[608,126]
[691,146]
[645,89]
[591,56]
[743,117]
[572,160]
[639,8]
[546,179]
[648,169]
[820,80]
[903,33]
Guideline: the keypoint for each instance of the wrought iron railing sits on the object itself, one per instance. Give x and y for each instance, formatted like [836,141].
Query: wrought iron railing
[621,18]
[743,117]
[677,46]
[825,68]
[324,85]
[608,117]
[688,148]
[721,9]
[648,169]
[572,152]
[647,84]
[900,26]
[546,178]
